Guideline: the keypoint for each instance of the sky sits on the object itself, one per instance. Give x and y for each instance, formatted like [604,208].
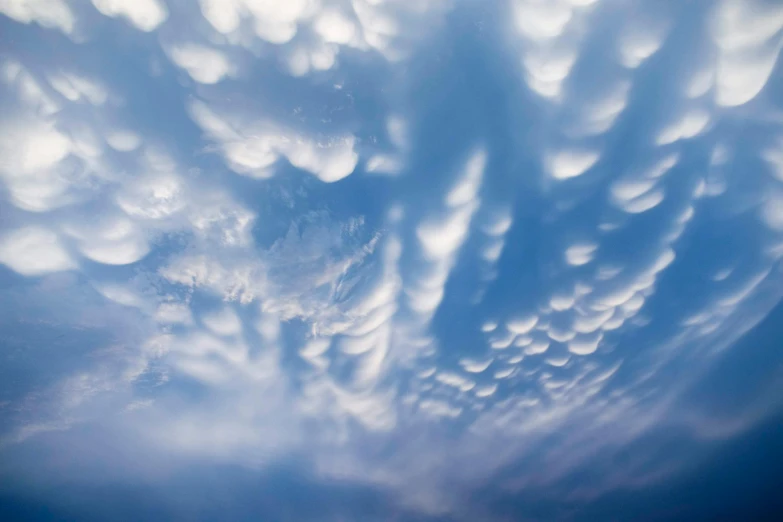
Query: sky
[393,260]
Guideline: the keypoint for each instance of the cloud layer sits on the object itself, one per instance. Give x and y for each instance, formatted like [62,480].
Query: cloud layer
[318,228]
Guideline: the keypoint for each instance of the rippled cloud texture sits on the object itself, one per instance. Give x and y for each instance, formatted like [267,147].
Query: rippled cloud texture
[428,250]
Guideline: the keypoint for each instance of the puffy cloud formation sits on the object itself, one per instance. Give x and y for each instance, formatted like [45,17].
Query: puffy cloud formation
[33,251]
[47,13]
[145,15]
[343,231]
[747,37]
[254,149]
[203,64]
[313,33]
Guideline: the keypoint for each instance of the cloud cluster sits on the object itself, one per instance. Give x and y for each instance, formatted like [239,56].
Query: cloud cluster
[283,268]
[253,148]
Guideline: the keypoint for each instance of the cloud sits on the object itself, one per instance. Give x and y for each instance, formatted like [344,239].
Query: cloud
[748,41]
[542,21]
[441,236]
[117,241]
[580,253]
[551,32]
[223,322]
[34,251]
[311,35]
[585,344]
[123,141]
[571,163]
[253,149]
[639,41]
[455,380]
[690,124]
[439,408]
[486,391]
[458,298]
[75,88]
[203,64]
[145,15]
[474,366]
[47,13]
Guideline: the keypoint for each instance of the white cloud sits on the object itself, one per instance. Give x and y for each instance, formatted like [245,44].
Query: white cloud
[772,210]
[504,374]
[485,391]
[625,190]
[501,342]
[489,326]
[522,325]
[700,83]
[315,348]
[47,13]
[123,140]
[537,347]
[598,116]
[644,202]
[499,224]
[335,27]
[571,163]
[384,164]
[551,32]
[580,253]
[439,408]
[252,150]
[639,42]
[558,362]
[75,88]
[116,241]
[223,322]
[585,344]
[562,301]
[33,251]
[560,335]
[774,156]
[33,167]
[174,313]
[591,322]
[744,31]
[546,70]
[203,64]
[541,21]
[121,294]
[157,195]
[311,35]
[455,380]
[691,124]
[475,366]
[145,15]
[441,236]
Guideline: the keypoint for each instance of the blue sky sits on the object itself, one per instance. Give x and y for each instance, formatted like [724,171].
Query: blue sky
[381,259]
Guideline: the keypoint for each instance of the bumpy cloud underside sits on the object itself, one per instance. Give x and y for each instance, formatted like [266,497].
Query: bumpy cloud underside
[375,219]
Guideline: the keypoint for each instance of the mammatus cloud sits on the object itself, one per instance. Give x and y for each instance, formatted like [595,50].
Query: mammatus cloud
[286,256]
[145,15]
[47,13]
[747,38]
[253,149]
[203,64]
[34,251]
